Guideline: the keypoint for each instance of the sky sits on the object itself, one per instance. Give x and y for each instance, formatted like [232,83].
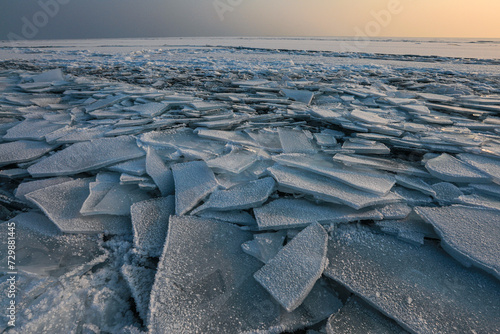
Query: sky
[56,19]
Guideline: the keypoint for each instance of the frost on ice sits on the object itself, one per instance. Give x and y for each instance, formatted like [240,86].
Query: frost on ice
[218,194]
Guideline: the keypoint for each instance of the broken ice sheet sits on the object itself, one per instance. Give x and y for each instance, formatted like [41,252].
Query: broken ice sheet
[233,217]
[31,129]
[86,156]
[240,197]
[468,234]
[204,284]
[298,213]
[27,187]
[421,288]
[449,168]
[327,189]
[22,151]
[362,146]
[295,141]
[487,165]
[62,203]
[303,96]
[193,182]
[264,246]
[42,249]
[371,181]
[292,273]
[150,224]
[140,280]
[152,109]
[159,172]
[235,162]
[357,317]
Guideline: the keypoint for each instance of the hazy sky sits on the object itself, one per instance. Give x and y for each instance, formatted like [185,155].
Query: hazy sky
[45,19]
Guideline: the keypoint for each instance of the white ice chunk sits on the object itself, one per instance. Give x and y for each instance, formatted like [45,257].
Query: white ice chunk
[49,76]
[446,193]
[415,183]
[489,189]
[468,234]
[134,166]
[152,109]
[264,246]
[240,197]
[357,317]
[326,189]
[303,96]
[31,129]
[292,273]
[193,182]
[150,224]
[22,151]
[235,162]
[376,183]
[62,203]
[297,213]
[368,117]
[481,201]
[86,156]
[159,172]
[412,197]
[103,103]
[140,280]
[27,187]
[449,168]
[487,165]
[422,288]
[395,211]
[115,201]
[295,141]
[362,146]
[234,217]
[379,163]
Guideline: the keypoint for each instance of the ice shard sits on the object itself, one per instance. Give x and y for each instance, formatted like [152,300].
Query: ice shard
[22,151]
[159,172]
[450,169]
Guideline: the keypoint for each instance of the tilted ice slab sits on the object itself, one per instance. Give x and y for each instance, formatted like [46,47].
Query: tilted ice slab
[150,224]
[368,117]
[204,284]
[303,96]
[22,151]
[376,183]
[327,189]
[264,246]
[292,273]
[49,76]
[487,165]
[362,146]
[27,187]
[422,288]
[415,183]
[62,203]
[297,213]
[449,168]
[468,234]
[152,109]
[240,197]
[379,163]
[31,129]
[86,156]
[103,103]
[235,162]
[356,317]
[159,172]
[295,141]
[134,167]
[140,280]
[193,182]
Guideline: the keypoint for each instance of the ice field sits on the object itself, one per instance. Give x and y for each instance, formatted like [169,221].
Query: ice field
[227,186]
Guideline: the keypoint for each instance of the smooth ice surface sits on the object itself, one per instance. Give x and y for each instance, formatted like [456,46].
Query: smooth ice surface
[234,162]
[428,291]
[470,235]
[296,213]
[86,156]
[62,203]
[159,172]
[357,317]
[449,168]
[264,246]
[240,197]
[376,183]
[292,273]
[326,189]
[150,224]
[203,263]
[193,182]
[295,141]
[22,151]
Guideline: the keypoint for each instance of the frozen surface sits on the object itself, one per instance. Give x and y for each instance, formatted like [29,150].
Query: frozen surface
[159,172]
[27,187]
[150,224]
[264,246]
[241,197]
[292,273]
[295,141]
[62,203]
[22,151]
[296,213]
[449,168]
[87,156]
[428,292]
[356,317]
[487,165]
[469,234]
[140,280]
[326,189]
